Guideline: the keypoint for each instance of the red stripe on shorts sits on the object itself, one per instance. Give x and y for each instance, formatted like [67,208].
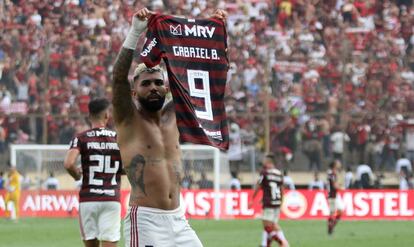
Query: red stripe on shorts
[134,227]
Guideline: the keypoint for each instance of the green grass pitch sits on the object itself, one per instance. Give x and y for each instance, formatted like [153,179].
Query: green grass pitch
[41,232]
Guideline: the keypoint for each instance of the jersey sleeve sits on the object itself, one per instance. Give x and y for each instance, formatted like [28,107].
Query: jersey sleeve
[152,50]
[74,143]
[261,177]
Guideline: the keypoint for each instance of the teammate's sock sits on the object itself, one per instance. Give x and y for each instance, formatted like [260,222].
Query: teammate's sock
[338,217]
[269,242]
[281,236]
[269,231]
[264,238]
[335,219]
[274,236]
[330,224]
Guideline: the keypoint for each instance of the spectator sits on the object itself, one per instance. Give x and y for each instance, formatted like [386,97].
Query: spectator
[378,184]
[26,182]
[187,181]
[235,154]
[349,178]
[1,180]
[313,144]
[364,176]
[403,164]
[316,183]
[234,181]
[288,181]
[372,72]
[204,182]
[3,146]
[405,182]
[409,143]
[339,140]
[51,183]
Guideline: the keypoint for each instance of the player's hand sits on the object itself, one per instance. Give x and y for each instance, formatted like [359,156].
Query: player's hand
[139,20]
[220,14]
[143,14]
[78,173]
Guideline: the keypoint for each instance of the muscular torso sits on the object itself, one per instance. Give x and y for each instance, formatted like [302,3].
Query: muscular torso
[152,160]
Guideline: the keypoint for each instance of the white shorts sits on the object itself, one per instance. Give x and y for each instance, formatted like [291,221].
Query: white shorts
[151,227]
[335,204]
[100,220]
[271,214]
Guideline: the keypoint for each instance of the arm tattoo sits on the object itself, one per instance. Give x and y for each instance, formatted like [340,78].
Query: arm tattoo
[123,105]
[135,172]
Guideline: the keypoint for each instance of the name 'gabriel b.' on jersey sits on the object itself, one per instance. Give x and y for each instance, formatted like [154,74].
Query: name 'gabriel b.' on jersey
[194,51]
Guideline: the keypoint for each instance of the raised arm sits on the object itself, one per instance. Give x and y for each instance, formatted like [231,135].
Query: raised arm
[123,106]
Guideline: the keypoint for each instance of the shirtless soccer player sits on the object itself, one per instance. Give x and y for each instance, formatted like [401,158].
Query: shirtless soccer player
[148,139]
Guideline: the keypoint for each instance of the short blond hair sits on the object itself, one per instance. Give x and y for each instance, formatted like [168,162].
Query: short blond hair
[141,68]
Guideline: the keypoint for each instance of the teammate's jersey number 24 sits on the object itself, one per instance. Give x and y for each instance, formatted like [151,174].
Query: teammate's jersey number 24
[103,166]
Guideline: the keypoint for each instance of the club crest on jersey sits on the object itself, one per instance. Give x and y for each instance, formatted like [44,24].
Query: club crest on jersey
[176,30]
[195,31]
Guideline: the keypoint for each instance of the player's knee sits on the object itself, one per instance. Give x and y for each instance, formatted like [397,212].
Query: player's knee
[268,228]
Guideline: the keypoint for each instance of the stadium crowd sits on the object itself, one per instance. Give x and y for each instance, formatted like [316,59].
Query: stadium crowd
[337,75]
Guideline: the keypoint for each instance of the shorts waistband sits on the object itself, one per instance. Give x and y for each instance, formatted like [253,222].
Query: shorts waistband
[156,210]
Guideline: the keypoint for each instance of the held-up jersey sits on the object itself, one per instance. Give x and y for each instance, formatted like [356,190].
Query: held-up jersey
[194,51]
[271,181]
[101,165]
[331,182]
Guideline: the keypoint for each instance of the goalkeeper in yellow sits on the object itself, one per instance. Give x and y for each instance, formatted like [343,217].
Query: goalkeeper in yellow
[13,193]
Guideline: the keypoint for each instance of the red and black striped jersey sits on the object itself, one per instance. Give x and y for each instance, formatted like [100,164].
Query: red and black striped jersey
[101,165]
[271,181]
[332,178]
[194,51]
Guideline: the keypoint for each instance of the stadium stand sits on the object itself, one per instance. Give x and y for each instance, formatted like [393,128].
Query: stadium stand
[328,65]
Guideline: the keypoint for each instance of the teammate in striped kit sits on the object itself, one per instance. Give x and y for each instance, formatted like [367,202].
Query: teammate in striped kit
[271,182]
[148,138]
[335,208]
[101,168]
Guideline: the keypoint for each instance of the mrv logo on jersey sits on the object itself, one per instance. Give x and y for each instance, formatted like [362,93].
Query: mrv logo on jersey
[195,31]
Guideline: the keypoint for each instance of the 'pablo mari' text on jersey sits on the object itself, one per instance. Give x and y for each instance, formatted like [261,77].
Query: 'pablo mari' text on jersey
[101,165]
[194,51]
